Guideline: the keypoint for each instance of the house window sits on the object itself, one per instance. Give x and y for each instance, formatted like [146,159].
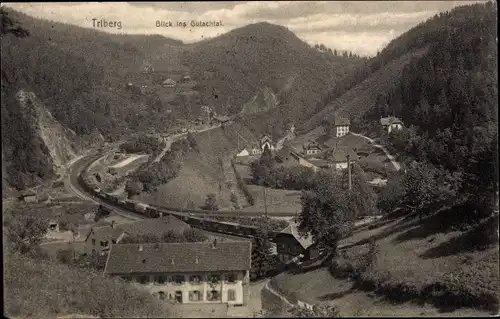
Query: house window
[161,279]
[231,295]
[161,295]
[113,241]
[195,279]
[93,241]
[214,279]
[104,243]
[179,280]
[143,279]
[231,278]
[195,295]
[213,295]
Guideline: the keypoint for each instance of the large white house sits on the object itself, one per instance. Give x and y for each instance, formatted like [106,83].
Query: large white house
[186,272]
[341,126]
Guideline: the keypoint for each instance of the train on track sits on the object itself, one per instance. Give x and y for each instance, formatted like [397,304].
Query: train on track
[153,211]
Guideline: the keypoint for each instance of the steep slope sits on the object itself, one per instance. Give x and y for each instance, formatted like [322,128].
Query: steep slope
[43,145]
[205,171]
[236,66]
[360,99]
[78,77]
[361,93]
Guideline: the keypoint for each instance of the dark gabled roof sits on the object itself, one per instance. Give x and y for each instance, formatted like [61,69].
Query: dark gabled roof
[312,145]
[342,121]
[157,226]
[339,155]
[28,192]
[390,120]
[292,229]
[178,257]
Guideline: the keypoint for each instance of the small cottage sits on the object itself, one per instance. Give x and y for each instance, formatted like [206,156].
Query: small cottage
[27,196]
[342,126]
[169,83]
[243,152]
[391,123]
[290,244]
[311,148]
[266,141]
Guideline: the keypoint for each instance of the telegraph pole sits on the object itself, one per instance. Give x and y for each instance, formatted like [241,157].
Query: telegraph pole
[349,171]
[265,202]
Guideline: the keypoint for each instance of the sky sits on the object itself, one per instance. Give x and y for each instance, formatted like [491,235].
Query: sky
[363,27]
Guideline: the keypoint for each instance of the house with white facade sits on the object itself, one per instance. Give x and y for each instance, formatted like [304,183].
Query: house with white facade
[266,141]
[311,148]
[243,152]
[195,273]
[342,125]
[391,123]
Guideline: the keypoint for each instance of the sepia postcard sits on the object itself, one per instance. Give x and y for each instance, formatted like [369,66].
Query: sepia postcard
[250,159]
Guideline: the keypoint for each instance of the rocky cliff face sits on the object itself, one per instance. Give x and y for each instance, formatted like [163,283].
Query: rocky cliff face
[63,144]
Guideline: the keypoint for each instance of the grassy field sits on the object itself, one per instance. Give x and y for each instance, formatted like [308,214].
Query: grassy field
[35,289]
[411,256]
[203,172]
[278,200]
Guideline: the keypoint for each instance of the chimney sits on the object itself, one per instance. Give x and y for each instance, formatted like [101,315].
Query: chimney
[196,261]
[172,261]
[141,247]
[161,215]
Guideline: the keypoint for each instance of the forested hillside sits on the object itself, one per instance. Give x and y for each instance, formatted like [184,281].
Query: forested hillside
[449,101]
[79,75]
[236,66]
[358,94]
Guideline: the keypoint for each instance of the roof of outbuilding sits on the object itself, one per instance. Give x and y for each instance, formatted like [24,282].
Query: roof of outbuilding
[390,120]
[178,257]
[342,121]
[292,229]
[156,227]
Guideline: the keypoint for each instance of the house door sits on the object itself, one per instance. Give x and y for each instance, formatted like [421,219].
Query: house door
[178,296]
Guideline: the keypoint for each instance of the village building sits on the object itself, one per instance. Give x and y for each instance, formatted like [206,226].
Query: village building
[27,196]
[290,245]
[342,126]
[256,150]
[288,158]
[186,78]
[186,272]
[266,141]
[243,152]
[221,119]
[99,239]
[169,83]
[311,148]
[338,157]
[391,123]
